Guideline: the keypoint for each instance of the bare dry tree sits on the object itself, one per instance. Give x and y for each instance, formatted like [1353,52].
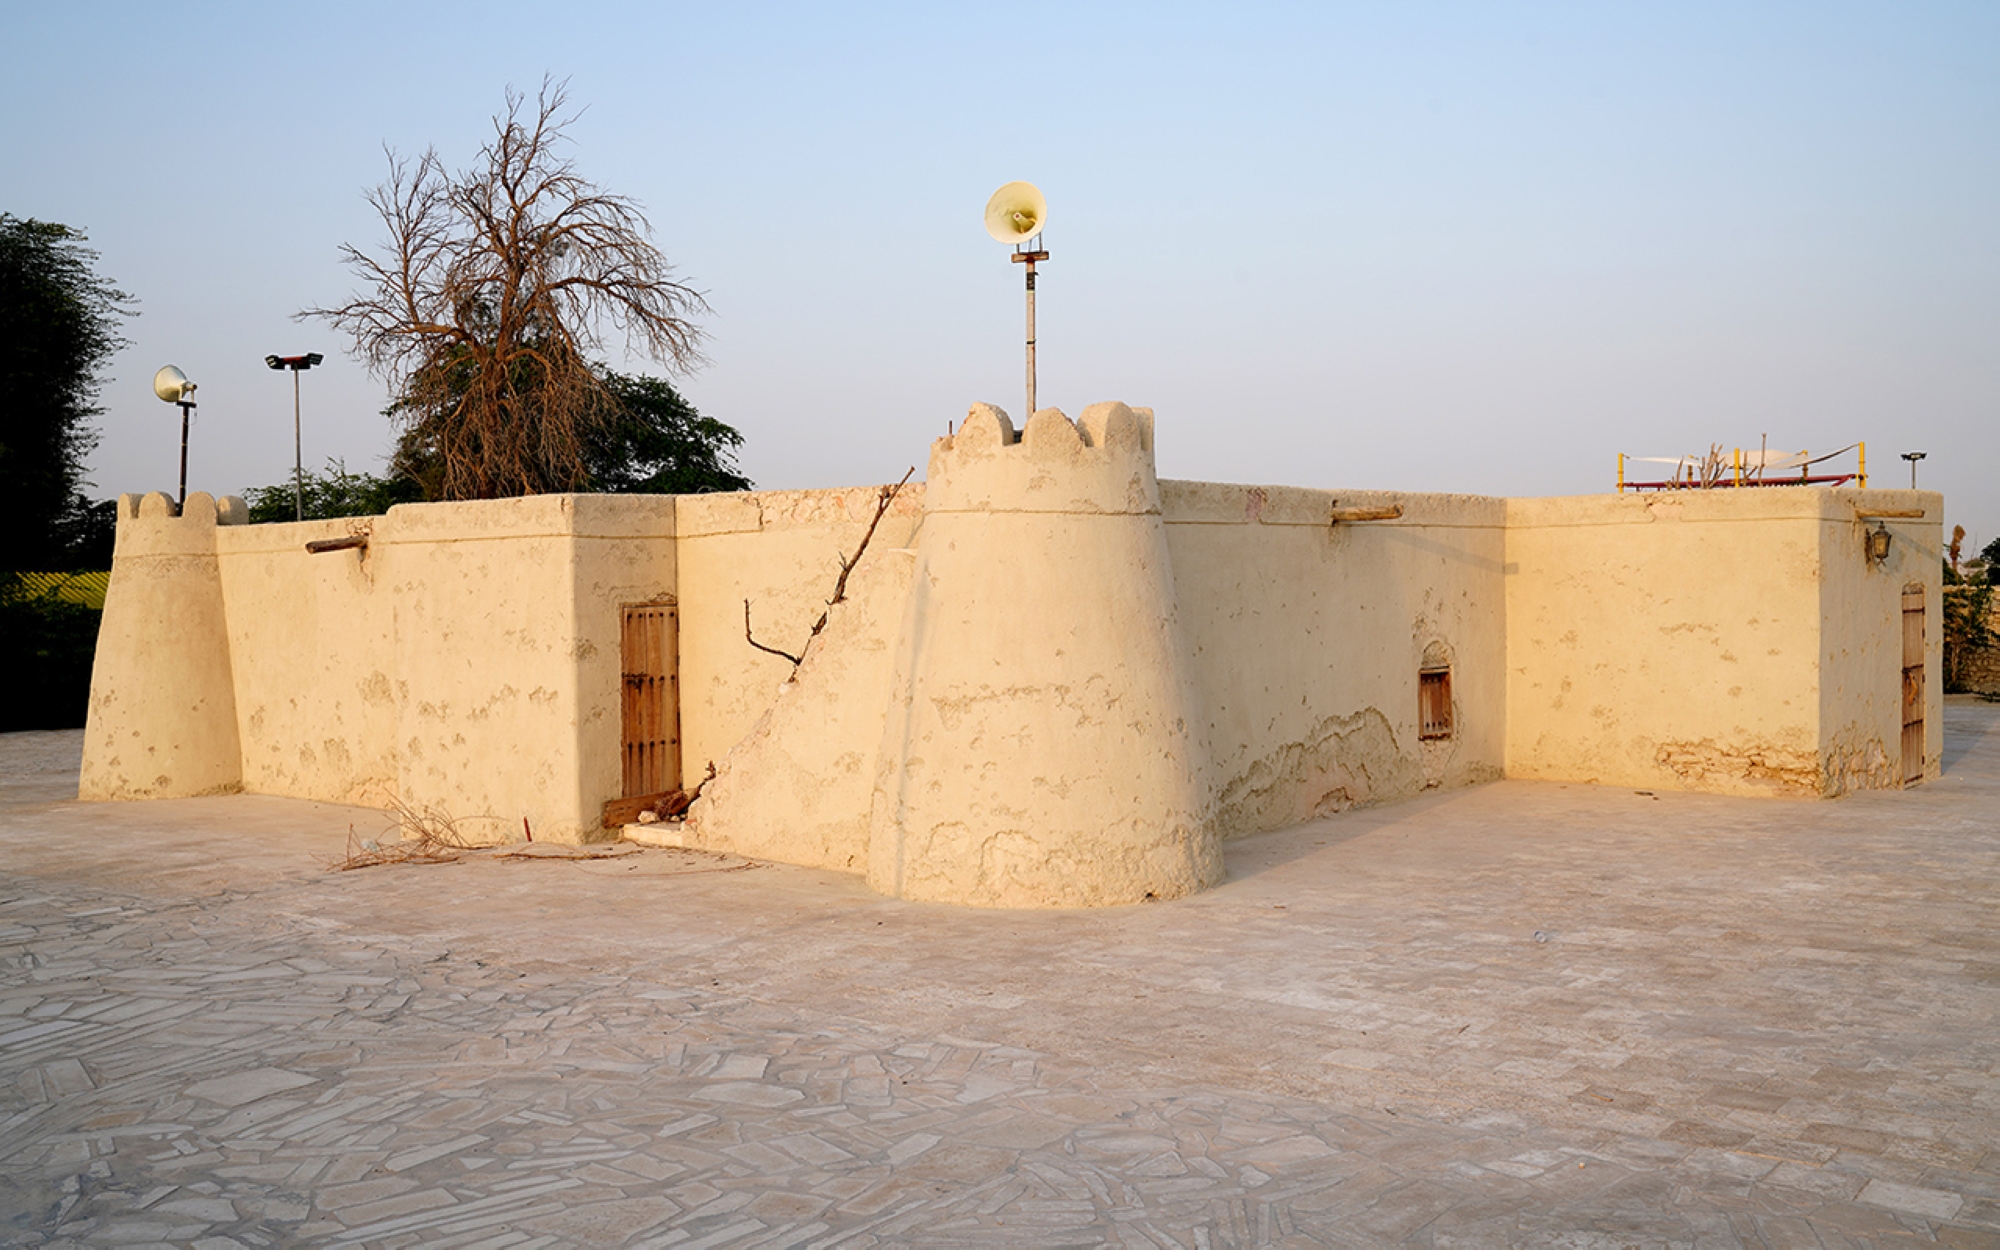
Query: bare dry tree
[486,304]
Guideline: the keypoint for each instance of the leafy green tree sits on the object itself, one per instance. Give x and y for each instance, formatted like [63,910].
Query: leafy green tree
[46,646]
[655,443]
[58,329]
[1968,627]
[333,493]
[648,440]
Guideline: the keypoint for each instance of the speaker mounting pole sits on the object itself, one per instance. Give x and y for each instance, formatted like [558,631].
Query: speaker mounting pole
[187,411]
[1029,259]
[1016,214]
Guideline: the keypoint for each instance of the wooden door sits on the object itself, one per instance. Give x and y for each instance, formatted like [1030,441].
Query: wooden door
[1913,686]
[649,650]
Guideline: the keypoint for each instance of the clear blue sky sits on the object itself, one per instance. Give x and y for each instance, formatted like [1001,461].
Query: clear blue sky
[1474,247]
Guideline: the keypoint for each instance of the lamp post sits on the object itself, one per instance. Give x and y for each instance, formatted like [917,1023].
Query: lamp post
[171,385]
[1913,457]
[298,365]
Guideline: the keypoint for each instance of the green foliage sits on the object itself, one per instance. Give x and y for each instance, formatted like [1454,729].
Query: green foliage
[58,329]
[1968,626]
[47,644]
[1990,553]
[644,439]
[333,493]
[657,444]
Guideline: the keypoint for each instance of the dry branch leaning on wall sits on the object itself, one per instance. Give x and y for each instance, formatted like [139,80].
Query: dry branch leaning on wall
[884,497]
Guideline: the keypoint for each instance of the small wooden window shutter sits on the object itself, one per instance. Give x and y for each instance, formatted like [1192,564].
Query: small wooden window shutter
[1434,703]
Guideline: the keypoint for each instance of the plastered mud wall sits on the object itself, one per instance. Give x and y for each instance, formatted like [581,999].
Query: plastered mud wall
[1861,640]
[1731,641]
[507,653]
[1306,638]
[799,785]
[781,551]
[312,661]
[464,660]
[1056,680]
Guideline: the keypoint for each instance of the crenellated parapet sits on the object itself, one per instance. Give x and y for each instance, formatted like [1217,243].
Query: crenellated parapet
[149,524]
[1102,463]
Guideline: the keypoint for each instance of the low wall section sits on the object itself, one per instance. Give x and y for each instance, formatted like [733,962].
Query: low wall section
[466,659]
[1307,638]
[1731,641]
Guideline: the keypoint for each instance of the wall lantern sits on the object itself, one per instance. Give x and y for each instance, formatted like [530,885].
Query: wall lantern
[1876,543]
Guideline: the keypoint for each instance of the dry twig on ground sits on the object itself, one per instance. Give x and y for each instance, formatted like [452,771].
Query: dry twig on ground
[426,835]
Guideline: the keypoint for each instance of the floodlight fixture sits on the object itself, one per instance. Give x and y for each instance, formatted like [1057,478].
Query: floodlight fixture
[298,365]
[1913,457]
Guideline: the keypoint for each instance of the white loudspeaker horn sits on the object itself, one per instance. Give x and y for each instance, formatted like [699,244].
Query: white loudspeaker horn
[172,385]
[1016,213]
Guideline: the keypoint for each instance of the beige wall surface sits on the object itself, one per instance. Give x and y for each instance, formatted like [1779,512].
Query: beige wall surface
[781,550]
[1861,634]
[624,550]
[798,786]
[312,656]
[1711,640]
[1306,638]
[489,660]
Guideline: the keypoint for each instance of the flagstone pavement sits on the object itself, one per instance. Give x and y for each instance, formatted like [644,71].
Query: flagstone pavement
[1519,1014]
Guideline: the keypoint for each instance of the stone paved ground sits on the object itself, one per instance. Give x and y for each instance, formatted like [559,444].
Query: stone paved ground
[1521,1014]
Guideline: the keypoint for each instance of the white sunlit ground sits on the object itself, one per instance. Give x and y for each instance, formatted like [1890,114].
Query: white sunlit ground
[1522,1013]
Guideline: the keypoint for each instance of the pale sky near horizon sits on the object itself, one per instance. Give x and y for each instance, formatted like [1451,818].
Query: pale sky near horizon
[1474,247]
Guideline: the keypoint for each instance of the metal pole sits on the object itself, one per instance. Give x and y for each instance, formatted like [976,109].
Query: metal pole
[185,409]
[1031,339]
[298,455]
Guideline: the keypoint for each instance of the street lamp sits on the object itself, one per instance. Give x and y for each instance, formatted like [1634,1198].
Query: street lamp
[173,386]
[298,365]
[1913,457]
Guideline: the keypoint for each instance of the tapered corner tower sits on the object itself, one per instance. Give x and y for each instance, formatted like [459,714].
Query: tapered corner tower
[162,719]
[1042,747]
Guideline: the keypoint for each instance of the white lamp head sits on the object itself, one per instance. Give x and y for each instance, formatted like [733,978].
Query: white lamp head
[172,385]
[1016,213]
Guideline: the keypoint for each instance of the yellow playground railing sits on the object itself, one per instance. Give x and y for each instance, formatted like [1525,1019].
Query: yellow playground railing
[1741,467]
